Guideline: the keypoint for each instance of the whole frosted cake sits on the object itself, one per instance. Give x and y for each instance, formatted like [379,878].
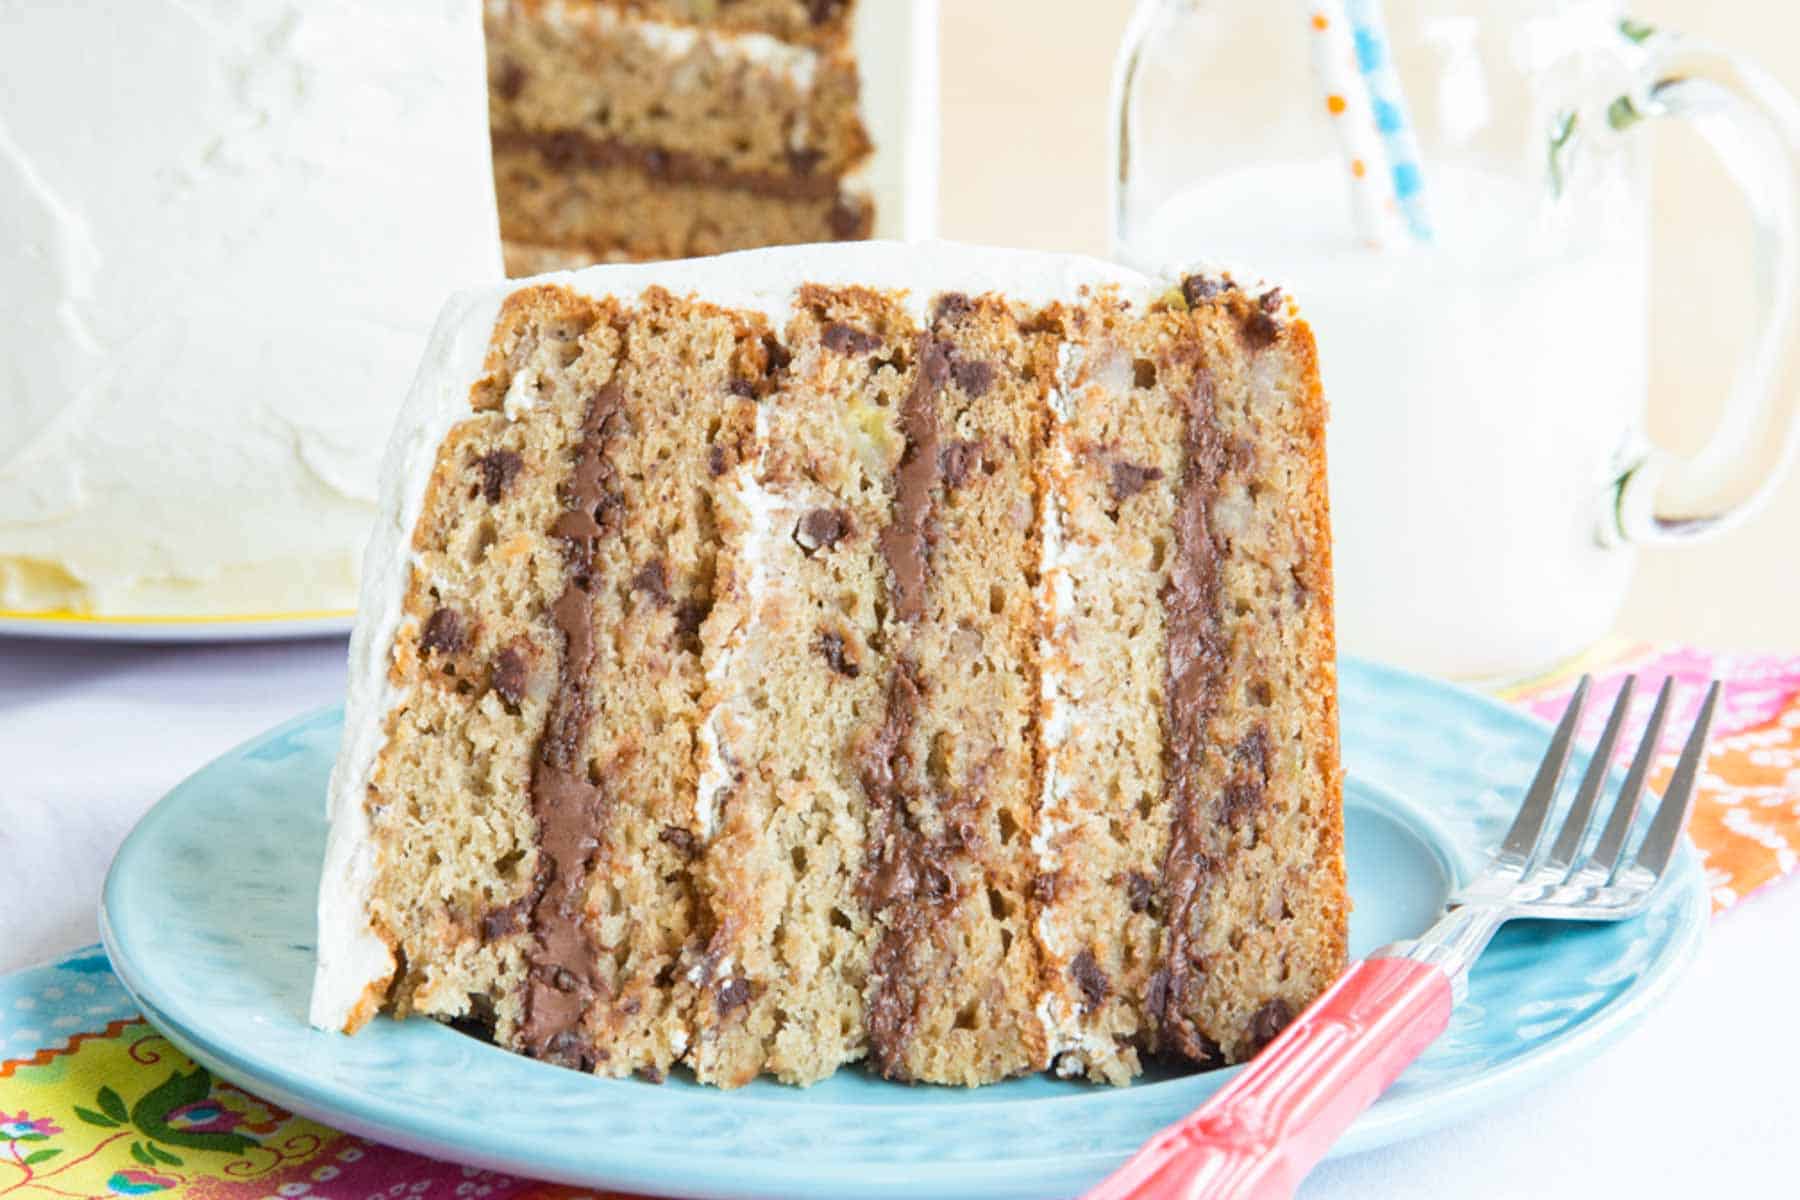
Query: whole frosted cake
[226,234]
[920,654]
[643,129]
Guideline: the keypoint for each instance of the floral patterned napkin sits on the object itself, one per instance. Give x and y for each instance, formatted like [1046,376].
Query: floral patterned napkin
[96,1103]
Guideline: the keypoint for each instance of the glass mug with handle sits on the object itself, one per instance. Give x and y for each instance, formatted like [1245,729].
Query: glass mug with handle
[1491,475]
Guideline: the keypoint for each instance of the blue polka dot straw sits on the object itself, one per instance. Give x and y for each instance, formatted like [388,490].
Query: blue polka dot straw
[1345,99]
[1387,100]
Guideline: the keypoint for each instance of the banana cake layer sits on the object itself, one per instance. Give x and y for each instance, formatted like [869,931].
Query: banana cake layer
[919,654]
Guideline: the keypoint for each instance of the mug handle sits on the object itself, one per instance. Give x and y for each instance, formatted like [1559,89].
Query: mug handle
[1752,124]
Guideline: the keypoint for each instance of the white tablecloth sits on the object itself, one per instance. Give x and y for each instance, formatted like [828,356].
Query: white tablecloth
[1702,1099]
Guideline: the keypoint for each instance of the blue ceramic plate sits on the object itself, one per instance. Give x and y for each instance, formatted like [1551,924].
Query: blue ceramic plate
[208,918]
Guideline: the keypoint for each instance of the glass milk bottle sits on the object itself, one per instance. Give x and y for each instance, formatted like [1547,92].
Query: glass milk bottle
[1473,259]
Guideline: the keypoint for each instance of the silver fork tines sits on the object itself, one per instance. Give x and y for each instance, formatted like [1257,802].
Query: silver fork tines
[1538,873]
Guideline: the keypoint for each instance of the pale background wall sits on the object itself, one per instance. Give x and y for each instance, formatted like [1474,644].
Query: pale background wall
[1025,134]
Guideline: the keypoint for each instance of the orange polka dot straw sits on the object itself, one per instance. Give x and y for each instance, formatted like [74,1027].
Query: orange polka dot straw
[1345,100]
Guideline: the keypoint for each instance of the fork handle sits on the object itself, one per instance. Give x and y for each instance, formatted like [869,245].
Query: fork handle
[1260,1134]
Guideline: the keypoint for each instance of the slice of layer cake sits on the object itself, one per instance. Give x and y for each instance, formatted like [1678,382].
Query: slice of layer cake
[645,129]
[919,654]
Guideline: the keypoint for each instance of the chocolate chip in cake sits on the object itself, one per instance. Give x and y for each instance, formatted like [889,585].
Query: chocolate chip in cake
[1302,593]
[1044,887]
[957,460]
[847,222]
[510,80]
[1271,301]
[1139,891]
[951,306]
[805,160]
[511,675]
[508,919]
[1196,288]
[653,580]
[444,632]
[498,469]
[821,529]
[821,11]
[1259,329]
[1156,997]
[741,387]
[1253,751]
[1129,478]
[733,993]
[1268,1021]
[1088,976]
[849,340]
[680,840]
[777,354]
[715,460]
[1240,800]
[690,614]
[973,375]
[569,1050]
[831,646]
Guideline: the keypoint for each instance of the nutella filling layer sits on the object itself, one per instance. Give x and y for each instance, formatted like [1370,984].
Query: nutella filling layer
[569,808]
[1194,668]
[566,148]
[904,883]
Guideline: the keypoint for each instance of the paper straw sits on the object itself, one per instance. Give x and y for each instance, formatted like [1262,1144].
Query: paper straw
[1393,122]
[1344,96]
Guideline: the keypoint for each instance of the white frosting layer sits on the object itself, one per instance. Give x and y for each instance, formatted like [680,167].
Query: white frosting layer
[798,63]
[351,957]
[226,235]
[760,511]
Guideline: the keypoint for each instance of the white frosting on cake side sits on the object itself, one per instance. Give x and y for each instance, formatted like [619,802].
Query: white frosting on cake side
[227,234]
[351,957]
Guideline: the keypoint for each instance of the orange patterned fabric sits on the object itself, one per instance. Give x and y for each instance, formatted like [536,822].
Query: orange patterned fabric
[1746,818]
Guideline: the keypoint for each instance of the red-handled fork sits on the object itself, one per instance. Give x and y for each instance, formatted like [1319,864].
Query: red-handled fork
[1261,1133]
